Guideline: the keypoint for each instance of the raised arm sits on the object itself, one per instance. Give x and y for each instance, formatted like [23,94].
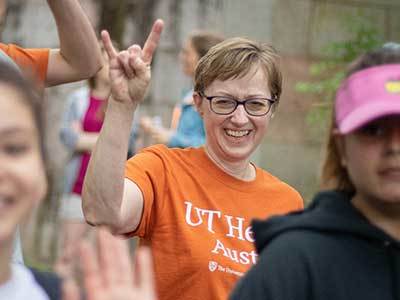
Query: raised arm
[108,198]
[79,56]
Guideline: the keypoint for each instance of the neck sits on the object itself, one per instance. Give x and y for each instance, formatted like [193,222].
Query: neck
[5,259]
[242,170]
[385,216]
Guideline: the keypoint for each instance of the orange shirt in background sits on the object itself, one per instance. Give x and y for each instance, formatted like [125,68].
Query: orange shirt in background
[196,219]
[33,62]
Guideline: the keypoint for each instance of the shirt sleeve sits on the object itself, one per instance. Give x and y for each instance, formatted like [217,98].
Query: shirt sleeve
[147,170]
[33,62]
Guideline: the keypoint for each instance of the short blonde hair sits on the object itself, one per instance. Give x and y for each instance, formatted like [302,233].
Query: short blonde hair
[234,58]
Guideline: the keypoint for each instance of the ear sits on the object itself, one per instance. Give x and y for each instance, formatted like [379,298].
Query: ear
[341,147]
[198,101]
[273,108]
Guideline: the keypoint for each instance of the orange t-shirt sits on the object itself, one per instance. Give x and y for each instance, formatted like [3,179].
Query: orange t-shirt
[196,219]
[33,62]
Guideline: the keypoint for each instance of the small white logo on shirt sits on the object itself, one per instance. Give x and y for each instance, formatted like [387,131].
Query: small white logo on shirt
[212,266]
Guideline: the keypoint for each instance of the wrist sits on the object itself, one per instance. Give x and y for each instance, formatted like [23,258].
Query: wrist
[122,105]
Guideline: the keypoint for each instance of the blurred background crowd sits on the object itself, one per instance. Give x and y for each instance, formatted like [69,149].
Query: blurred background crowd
[314,37]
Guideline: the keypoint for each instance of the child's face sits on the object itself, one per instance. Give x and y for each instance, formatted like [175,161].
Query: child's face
[371,155]
[22,176]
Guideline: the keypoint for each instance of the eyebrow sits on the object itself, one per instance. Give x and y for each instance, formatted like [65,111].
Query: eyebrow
[246,97]
[15,130]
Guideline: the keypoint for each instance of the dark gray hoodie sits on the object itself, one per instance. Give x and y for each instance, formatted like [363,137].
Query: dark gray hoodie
[328,252]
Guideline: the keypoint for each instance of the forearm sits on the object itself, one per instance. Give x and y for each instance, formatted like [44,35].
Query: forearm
[104,183]
[78,43]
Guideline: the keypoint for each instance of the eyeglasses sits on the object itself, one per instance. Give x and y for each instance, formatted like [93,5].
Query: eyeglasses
[224,105]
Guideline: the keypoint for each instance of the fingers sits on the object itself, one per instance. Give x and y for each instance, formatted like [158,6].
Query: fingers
[122,261]
[91,271]
[123,58]
[70,290]
[106,252]
[136,63]
[152,41]
[108,46]
[145,274]
[134,60]
[131,62]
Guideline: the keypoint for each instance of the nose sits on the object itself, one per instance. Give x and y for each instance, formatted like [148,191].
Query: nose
[239,116]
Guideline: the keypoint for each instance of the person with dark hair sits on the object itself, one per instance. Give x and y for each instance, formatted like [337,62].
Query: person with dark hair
[192,206]
[81,123]
[78,58]
[80,126]
[22,177]
[346,244]
[187,128]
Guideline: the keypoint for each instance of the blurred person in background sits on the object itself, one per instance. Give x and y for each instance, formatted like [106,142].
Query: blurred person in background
[187,128]
[107,272]
[346,244]
[192,206]
[22,180]
[78,58]
[81,124]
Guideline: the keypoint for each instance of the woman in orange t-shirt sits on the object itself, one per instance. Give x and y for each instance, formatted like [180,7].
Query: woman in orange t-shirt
[192,206]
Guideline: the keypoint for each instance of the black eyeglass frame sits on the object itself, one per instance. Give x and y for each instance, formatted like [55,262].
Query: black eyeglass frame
[242,102]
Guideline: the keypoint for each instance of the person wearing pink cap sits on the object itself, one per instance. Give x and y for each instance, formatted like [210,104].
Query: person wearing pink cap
[346,244]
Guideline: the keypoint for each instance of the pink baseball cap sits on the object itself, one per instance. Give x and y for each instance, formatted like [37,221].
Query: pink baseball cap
[367,95]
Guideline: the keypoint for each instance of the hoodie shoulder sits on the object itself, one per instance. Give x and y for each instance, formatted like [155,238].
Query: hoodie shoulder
[280,273]
[330,214]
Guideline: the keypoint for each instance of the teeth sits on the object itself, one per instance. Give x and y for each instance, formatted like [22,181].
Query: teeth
[237,133]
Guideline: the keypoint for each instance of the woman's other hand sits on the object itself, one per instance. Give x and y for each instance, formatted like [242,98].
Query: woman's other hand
[108,274]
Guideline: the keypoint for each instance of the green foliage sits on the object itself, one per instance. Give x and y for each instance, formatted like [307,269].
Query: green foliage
[364,36]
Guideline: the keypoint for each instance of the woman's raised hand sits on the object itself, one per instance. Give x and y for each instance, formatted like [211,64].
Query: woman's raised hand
[130,70]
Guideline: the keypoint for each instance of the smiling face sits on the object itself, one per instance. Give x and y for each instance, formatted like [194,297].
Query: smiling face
[22,176]
[234,137]
[371,156]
